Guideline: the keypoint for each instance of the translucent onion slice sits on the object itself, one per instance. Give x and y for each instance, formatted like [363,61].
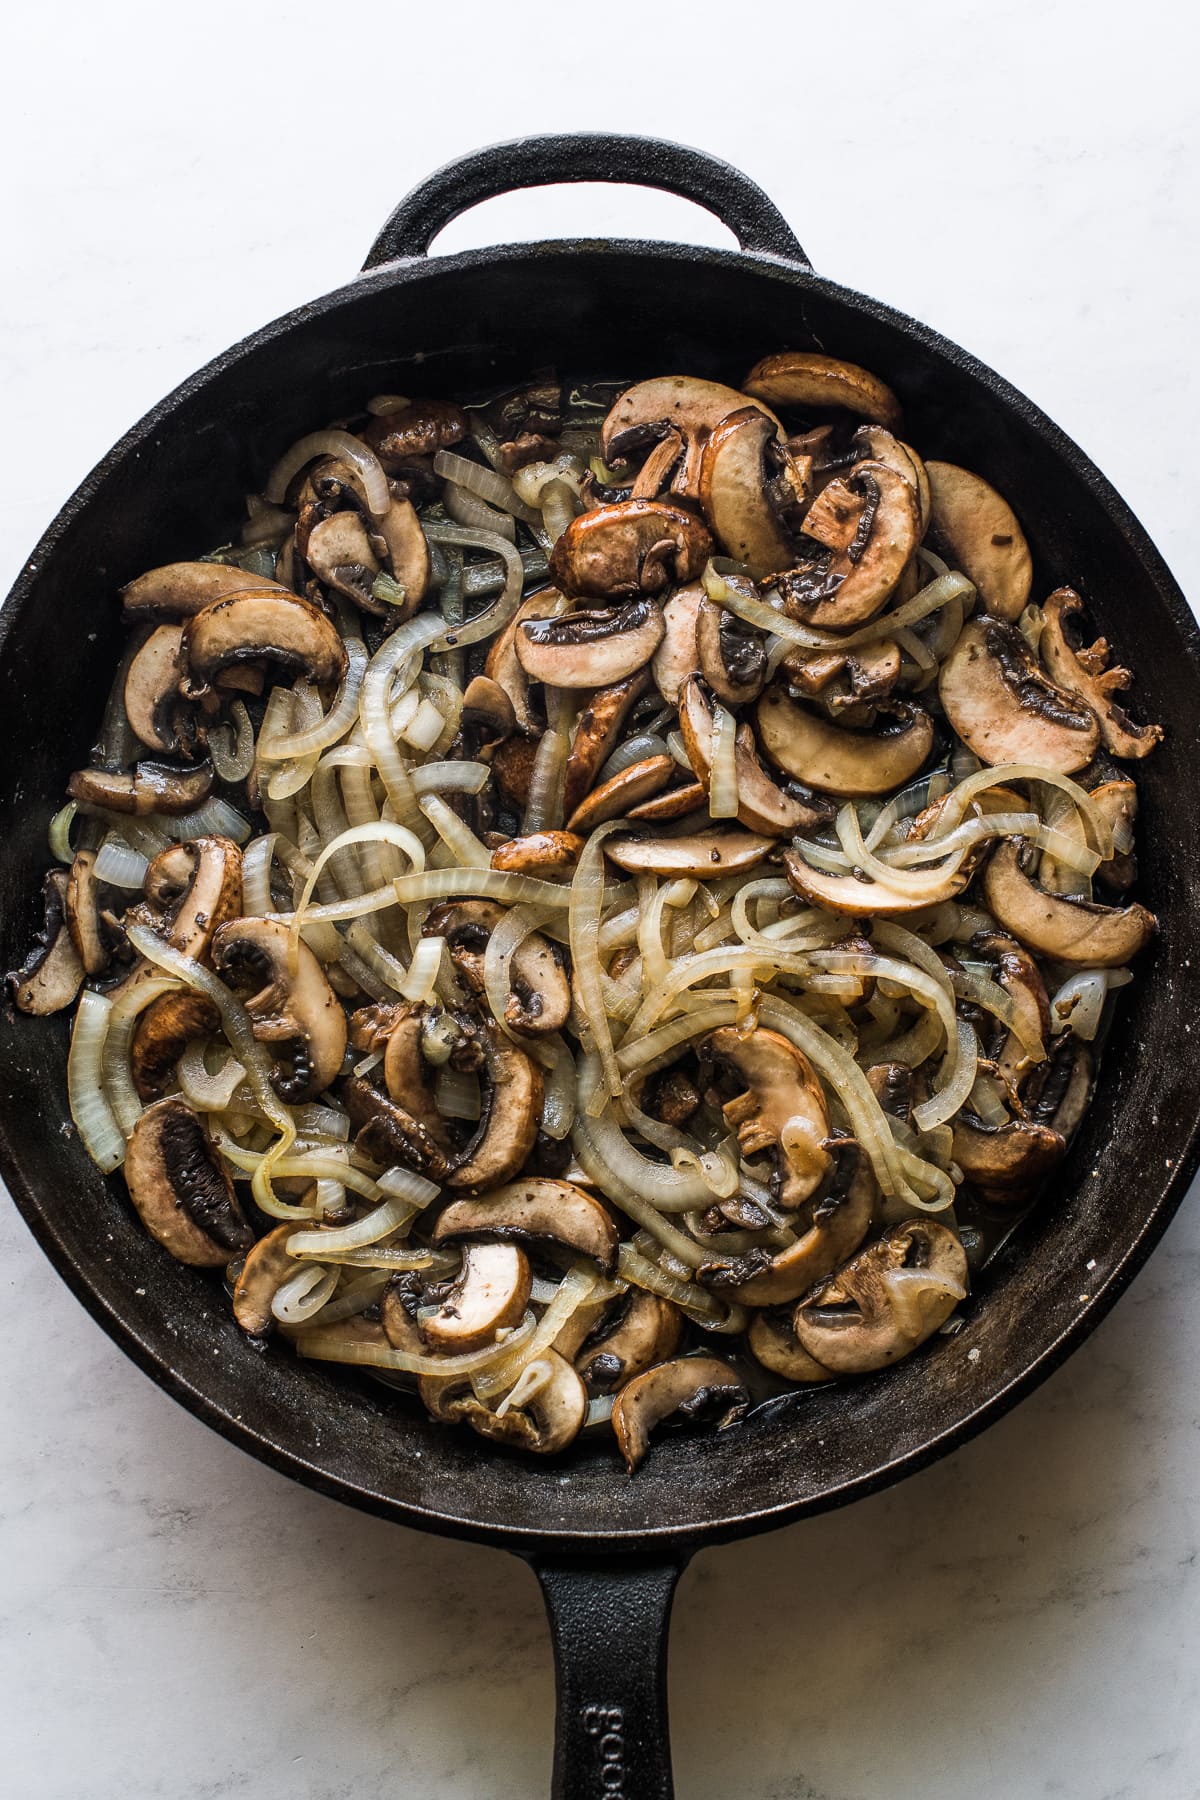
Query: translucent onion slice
[723,782]
[216,818]
[118,863]
[457,1095]
[127,1006]
[953,1081]
[668,1190]
[485,484]
[94,1119]
[544,809]
[585,907]
[303,1294]
[501,611]
[1003,775]
[327,1344]
[558,1075]
[421,980]
[501,947]
[467,850]
[354,1297]
[388,1217]
[205,1092]
[573,1291]
[405,1184]
[296,745]
[450,778]
[1078,1006]
[468,510]
[60,833]
[732,595]
[256,876]
[347,449]
[661,1046]
[406,642]
[695,1301]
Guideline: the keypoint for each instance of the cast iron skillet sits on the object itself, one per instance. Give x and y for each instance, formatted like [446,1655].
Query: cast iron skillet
[607,1551]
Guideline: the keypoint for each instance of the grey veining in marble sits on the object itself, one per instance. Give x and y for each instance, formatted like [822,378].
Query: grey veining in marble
[178,1623]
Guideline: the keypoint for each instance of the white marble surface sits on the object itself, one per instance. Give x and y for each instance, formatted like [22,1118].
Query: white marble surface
[1023,1619]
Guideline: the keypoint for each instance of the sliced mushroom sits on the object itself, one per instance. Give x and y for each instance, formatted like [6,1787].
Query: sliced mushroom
[51,975]
[1064,1094]
[503,665]
[700,1390]
[158,715]
[90,935]
[488,710]
[732,657]
[614,797]
[1117,803]
[511,1114]
[762,806]
[978,531]
[630,547]
[773,1342]
[678,656]
[1086,672]
[266,1268]
[297,1014]
[647,411]
[407,553]
[868,527]
[1016,1155]
[871,672]
[162,1034]
[539,853]
[782,1109]
[1021,979]
[658,467]
[809,378]
[590,649]
[182,1192]
[841,1219]
[857,898]
[548,1419]
[704,854]
[146,788]
[886,1301]
[277,628]
[388,1134]
[540,997]
[735,477]
[199,888]
[597,733]
[1062,926]
[338,551]
[179,590]
[420,428]
[837,760]
[1004,706]
[491,1292]
[512,770]
[645,1331]
[877,443]
[538,1211]
[406,1075]
[676,804]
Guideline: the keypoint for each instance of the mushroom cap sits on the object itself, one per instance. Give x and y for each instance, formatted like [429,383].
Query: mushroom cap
[700,1388]
[545,1423]
[512,1107]
[630,547]
[980,534]
[1060,925]
[840,1222]
[274,627]
[406,1075]
[809,378]
[88,933]
[181,1190]
[878,444]
[782,1091]
[1006,709]
[388,1134]
[645,1331]
[490,1292]
[614,797]
[538,1210]
[597,733]
[209,895]
[732,656]
[297,1015]
[264,1271]
[590,649]
[539,853]
[869,527]
[540,996]
[681,403]
[733,491]
[421,428]
[704,854]
[339,552]
[162,1034]
[488,708]
[1017,1155]
[180,590]
[147,788]
[836,760]
[676,803]
[504,666]
[1092,680]
[158,715]
[887,1299]
[772,1341]
[1021,979]
[52,974]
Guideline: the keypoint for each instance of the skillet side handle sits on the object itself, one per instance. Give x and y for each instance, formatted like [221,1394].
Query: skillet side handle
[609,1625]
[732,197]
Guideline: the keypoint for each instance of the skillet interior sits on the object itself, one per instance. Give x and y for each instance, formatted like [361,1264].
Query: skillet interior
[177,482]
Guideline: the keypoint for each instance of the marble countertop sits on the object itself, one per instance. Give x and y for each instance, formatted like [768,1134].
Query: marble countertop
[179,1623]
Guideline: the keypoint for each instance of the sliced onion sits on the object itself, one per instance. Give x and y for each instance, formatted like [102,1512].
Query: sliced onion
[501,947]
[695,1301]
[327,1344]
[467,510]
[1078,1006]
[216,818]
[456,1095]
[485,484]
[723,783]
[544,809]
[119,864]
[405,1184]
[94,1119]
[205,1092]
[953,1082]
[1002,775]
[127,1006]
[296,745]
[347,449]
[732,594]
[633,750]
[421,980]
[303,1294]
[390,1216]
[450,778]
[407,641]
[585,906]
[467,850]
[558,1075]
[487,623]
[60,833]
[354,1297]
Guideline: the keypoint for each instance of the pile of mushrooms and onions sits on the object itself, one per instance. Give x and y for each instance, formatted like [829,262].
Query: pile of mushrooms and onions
[601,905]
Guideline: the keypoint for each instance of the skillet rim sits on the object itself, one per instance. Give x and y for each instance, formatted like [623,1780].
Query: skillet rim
[625,1542]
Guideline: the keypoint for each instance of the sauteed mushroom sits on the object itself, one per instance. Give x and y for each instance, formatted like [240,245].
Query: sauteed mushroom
[267,627]
[1006,709]
[51,975]
[680,403]
[1063,926]
[809,378]
[182,1193]
[837,760]
[886,1301]
[630,547]
[980,534]
[292,1006]
[782,1108]
[540,1212]
[1085,672]
[148,788]
[590,649]
[699,1389]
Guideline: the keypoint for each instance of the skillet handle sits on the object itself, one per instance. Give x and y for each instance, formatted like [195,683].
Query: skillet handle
[721,189]
[609,1624]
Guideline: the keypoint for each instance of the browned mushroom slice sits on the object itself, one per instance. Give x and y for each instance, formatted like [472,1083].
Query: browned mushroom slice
[158,715]
[421,428]
[1086,672]
[837,760]
[263,1273]
[538,1211]
[90,935]
[51,975]
[887,1300]
[590,649]
[855,898]
[490,1292]
[408,553]
[877,443]
[613,799]
[1021,979]
[1006,709]
[781,1110]
[388,1134]
[488,710]
[658,467]
[871,673]
[735,493]
[182,1191]
[867,526]
[540,1000]
[694,409]
[1061,925]
[511,1113]
[678,656]
[276,628]
[597,734]
[773,1342]
[644,1330]
[297,1014]
[676,804]
[699,1390]
[840,1221]
[199,888]
[406,1074]
[809,378]
[548,1419]
[147,788]
[338,551]
[179,590]
[162,1034]
[539,853]
[630,547]
[704,854]
[978,532]
[503,665]
[731,654]
[512,770]
[762,806]
[1016,1155]
[1117,803]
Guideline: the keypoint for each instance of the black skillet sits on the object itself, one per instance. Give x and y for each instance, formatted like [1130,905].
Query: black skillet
[607,1551]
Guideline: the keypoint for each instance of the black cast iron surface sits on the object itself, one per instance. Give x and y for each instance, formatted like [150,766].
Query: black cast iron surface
[175,485]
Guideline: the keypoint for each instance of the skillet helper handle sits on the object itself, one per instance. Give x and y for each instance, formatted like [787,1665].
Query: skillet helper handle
[609,1625]
[717,186]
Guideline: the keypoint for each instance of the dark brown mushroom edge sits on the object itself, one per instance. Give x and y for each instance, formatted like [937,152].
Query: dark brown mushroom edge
[602,906]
